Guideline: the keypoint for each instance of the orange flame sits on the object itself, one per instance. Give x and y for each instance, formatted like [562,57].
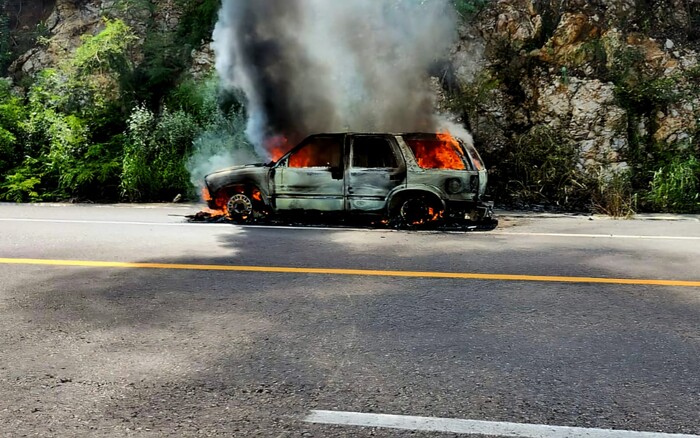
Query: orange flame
[277,146]
[302,158]
[439,153]
[220,203]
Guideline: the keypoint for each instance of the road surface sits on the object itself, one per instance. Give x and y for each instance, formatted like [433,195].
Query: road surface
[125,321]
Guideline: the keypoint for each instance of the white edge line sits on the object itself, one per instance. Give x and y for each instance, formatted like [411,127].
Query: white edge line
[595,236]
[289,227]
[186,224]
[477,427]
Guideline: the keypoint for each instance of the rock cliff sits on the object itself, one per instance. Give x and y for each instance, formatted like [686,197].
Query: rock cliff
[610,76]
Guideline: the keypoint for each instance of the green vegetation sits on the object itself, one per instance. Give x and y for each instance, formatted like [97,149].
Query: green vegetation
[82,131]
[675,186]
[467,8]
[541,169]
[613,194]
[5,42]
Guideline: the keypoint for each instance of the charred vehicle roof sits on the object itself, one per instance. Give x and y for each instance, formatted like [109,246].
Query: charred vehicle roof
[410,179]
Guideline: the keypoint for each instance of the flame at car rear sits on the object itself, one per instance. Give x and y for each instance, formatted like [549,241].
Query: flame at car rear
[439,152]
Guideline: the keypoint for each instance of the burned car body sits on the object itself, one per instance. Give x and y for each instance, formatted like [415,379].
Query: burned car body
[409,179]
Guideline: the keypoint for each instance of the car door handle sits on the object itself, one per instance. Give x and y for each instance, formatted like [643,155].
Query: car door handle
[350,190]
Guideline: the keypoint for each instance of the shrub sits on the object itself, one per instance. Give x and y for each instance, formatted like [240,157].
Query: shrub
[21,185]
[675,186]
[542,169]
[467,8]
[614,195]
[12,113]
[156,153]
[95,173]
[198,98]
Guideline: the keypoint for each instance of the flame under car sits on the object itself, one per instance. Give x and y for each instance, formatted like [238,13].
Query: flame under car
[410,180]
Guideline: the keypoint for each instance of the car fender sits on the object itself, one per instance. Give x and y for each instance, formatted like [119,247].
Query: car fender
[231,180]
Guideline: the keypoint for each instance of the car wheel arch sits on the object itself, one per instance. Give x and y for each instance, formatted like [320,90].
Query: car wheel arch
[396,198]
[247,188]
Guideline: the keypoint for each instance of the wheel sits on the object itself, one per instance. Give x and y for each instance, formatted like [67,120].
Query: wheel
[418,212]
[239,208]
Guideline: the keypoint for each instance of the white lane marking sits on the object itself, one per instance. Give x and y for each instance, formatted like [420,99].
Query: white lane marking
[380,230]
[187,224]
[476,427]
[595,236]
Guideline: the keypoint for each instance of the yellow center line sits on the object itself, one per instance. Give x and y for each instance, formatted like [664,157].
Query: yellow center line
[359,272]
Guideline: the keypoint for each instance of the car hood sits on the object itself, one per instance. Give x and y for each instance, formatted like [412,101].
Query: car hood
[235,168]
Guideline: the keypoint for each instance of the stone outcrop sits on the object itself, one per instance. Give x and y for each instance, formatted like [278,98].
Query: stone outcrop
[588,112]
[70,20]
[567,65]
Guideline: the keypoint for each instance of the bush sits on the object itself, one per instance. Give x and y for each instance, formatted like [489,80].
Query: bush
[542,169]
[614,195]
[12,113]
[675,186]
[154,164]
[21,185]
[467,8]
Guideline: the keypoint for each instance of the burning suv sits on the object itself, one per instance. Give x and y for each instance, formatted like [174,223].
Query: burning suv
[406,179]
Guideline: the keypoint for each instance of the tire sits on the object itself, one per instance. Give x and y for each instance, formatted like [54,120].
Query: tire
[239,209]
[418,212]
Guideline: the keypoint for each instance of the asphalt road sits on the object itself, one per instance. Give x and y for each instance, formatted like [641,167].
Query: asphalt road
[165,340]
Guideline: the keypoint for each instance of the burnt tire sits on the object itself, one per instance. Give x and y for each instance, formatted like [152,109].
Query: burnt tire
[417,212]
[239,208]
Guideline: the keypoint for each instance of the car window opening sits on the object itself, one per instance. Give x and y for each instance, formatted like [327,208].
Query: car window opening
[372,152]
[320,152]
[436,153]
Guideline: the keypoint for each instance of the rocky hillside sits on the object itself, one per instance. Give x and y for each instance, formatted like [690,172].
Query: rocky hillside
[616,83]
[575,104]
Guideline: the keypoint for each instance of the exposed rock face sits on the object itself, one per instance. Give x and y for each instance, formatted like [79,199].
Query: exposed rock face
[66,24]
[71,19]
[513,22]
[571,65]
[588,112]
[202,61]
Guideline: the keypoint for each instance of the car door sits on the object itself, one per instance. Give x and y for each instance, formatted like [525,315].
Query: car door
[311,176]
[375,168]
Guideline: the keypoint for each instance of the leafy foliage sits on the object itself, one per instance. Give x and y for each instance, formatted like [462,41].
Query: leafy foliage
[156,153]
[67,126]
[5,42]
[12,113]
[467,8]
[198,20]
[614,195]
[542,169]
[675,186]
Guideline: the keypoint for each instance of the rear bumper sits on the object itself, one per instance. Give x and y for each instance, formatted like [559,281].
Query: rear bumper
[476,211]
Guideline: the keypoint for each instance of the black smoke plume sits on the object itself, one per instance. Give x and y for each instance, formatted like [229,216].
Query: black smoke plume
[308,66]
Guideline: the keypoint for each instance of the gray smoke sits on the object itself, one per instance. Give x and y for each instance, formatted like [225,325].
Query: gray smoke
[309,66]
